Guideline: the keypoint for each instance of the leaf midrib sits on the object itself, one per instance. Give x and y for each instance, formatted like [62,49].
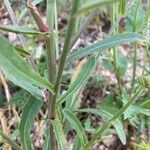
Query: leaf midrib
[91,49]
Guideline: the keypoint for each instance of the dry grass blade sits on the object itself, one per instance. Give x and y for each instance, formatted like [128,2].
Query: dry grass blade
[3,81]
[79,67]
[5,128]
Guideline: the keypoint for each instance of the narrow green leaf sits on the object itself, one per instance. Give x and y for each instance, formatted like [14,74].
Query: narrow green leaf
[106,116]
[80,80]
[76,125]
[94,5]
[107,43]
[18,70]
[22,30]
[59,133]
[30,110]
[22,51]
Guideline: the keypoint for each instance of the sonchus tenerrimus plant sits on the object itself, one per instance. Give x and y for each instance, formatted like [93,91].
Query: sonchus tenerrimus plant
[18,65]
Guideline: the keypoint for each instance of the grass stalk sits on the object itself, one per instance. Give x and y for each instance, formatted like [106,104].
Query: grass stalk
[100,131]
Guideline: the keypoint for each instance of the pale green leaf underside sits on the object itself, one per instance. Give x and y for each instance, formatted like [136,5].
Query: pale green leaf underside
[106,116]
[27,119]
[18,70]
[76,125]
[60,136]
[21,30]
[80,80]
[108,42]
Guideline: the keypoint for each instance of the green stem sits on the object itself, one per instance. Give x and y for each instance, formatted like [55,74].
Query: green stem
[51,59]
[101,130]
[50,101]
[115,15]
[134,65]
[116,71]
[66,48]
[10,141]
